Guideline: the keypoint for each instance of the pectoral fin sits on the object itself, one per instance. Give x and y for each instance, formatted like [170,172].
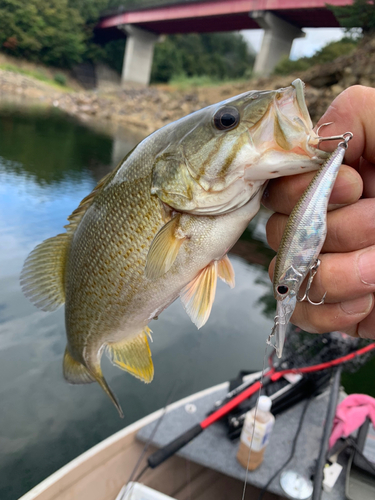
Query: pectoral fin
[42,276]
[198,296]
[134,356]
[164,249]
[225,271]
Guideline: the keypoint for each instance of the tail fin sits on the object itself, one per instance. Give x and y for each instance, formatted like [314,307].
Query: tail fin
[76,373]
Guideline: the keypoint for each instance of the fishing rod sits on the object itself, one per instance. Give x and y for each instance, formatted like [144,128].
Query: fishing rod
[247,383]
[272,375]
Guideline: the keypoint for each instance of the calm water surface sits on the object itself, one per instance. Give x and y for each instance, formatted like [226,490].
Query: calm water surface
[47,165]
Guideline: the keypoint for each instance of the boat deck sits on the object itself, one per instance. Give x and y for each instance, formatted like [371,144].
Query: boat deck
[212,448]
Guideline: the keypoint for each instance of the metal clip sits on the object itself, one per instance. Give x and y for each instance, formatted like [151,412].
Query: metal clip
[347,136]
[312,272]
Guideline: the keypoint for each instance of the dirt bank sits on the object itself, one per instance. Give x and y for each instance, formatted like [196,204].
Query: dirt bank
[147,109]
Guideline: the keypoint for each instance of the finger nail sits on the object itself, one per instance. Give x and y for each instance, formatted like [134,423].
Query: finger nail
[366,266]
[357,306]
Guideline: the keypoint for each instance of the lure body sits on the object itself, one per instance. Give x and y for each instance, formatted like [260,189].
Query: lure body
[302,242]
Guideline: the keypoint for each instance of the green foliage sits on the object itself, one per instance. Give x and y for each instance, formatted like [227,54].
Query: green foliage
[60,79]
[287,66]
[113,54]
[39,30]
[327,54]
[37,74]
[220,56]
[361,14]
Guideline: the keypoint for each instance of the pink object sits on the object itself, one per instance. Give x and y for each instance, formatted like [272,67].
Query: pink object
[158,18]
[350,415]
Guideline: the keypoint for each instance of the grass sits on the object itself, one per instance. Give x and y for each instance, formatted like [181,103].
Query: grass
[37,74]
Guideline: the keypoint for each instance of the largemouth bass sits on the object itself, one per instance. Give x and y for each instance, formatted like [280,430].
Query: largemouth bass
[301,243]
[161,224]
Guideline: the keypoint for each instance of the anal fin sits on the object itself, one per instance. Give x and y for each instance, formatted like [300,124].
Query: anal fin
[134,356]
[76,373]
[198,296]
[225,271]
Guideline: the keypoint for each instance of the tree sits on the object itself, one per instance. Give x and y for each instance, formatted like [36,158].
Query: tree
[221,56]
[361,14]
[328,53]
[49,31]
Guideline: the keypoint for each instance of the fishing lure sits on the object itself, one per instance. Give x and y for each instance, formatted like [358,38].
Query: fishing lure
[301,244]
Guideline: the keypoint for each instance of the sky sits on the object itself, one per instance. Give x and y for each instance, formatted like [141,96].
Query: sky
[315,39]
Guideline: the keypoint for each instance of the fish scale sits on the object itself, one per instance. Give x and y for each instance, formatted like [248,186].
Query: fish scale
[104,270]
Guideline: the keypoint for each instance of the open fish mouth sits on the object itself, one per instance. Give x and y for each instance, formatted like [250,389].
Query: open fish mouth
[284,139]
[293,127]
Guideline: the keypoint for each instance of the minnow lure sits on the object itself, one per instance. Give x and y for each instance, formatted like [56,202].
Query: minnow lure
[301,244]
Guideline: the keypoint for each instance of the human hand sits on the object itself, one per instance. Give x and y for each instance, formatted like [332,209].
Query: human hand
[347,270]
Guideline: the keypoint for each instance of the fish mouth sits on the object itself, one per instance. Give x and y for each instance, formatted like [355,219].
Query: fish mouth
[293,125]
[284,138]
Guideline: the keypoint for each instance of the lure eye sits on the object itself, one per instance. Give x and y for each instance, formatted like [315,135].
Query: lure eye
[226,118]
[282,290]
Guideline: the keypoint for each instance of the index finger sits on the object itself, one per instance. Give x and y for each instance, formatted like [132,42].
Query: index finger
[282,194]
[353,111]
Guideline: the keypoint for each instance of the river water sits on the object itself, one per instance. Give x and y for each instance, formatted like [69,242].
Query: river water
[48,163]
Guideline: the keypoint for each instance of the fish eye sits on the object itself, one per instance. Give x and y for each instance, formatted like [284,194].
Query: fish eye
[282,290]
[226,118]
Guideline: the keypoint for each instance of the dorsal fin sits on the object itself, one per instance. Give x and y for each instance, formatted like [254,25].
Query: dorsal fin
[76,216]
[42,276]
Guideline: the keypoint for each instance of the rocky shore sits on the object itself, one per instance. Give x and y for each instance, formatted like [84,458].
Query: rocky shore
[147,109]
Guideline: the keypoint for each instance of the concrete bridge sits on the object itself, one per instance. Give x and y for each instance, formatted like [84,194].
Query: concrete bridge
[281,20]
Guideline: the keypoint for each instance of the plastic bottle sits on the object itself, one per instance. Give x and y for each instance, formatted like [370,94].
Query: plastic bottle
[264,422]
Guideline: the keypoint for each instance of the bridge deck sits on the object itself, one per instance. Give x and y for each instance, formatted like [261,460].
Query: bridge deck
[223,15]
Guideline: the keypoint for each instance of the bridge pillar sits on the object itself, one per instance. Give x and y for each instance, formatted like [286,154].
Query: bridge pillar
[139,51]
[277,41]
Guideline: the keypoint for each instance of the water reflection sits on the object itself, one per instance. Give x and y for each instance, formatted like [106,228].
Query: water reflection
[47,165]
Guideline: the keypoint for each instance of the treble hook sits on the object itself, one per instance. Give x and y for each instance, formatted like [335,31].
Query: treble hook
[312,272]
[332,137]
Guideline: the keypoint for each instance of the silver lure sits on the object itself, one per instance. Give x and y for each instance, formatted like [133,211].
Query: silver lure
[301,244]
